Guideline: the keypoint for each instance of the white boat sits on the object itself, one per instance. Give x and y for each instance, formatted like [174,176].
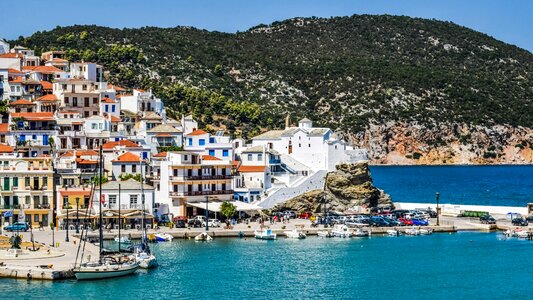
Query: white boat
[412,231]
[106,269]
[123,240]
[203,237]
[393,232]
[163,237]
[359,232]
[323,233]
[522,234]
[426,231]
[342,231]
[143,255]
[295,234]
[265,234]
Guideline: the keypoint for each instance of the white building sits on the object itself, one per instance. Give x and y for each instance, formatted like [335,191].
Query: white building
[130,196]
[201,142]
[142,101]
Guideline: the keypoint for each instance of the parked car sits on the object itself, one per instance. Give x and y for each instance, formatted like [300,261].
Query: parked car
[399,213]
[212,223]
[420,222]
[519,221]
[393,222]
[196,221]
[529,218]
[180,222]
[405,221]
[305,215]
[379,222]
[290,213]
[18,226]
[487,219]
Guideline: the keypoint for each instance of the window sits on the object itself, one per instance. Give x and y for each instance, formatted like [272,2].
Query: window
[107,108]
[99,125]
[45,181]
[133,200]
[86,114]
[94,126]
[6,183]
[211,140]
[84,88]
[27,181]
[86,101]
[74,101]
[45,199]
[15,181]
[65,201]
[95,100]
[66,100]
[249,157]
[134,168]
[190,141]
[212,152]
[34,137]
[64,88]
[112,200]
[225,153]
[260,156]
[1,78]
[112,108]
[123,168]
[201,142]
[36,218]
[309,145]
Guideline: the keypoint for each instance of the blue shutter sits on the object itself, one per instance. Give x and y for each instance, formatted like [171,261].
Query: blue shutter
[106,108]
[211,140]
[190,141]
[201,142]
[145,155]
[45,139]
[212,152]
[225,153]
[22,138]
[112,108]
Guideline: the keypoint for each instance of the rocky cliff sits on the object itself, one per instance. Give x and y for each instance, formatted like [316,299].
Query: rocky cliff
[413,143]
[348,188]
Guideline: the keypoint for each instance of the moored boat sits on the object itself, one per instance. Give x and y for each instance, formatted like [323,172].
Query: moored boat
[108,268]
[123,240]
[295,234]
[265,234]
[163,237]
[203,237]
[426,231]
[360,232]
[342,231]
[324,233]
[412,231]
[393,232]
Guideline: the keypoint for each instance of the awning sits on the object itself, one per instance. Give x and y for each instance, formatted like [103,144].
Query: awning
[215,206]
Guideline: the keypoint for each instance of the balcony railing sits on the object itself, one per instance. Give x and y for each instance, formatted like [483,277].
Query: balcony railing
[201,193]
[208,177]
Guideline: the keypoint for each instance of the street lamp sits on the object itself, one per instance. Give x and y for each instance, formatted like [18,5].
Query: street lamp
[206,213]
[77,216]
[438,208]
[66,238]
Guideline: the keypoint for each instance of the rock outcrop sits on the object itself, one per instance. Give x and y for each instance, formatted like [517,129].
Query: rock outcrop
[349,188]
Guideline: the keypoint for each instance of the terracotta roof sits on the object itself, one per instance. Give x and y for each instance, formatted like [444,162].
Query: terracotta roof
[4,127]
[161,154]
[42,69]
[76,193]
[127,157]
[14,71]
[126,143]
[123,95]
[197,132]
[116,88]
[49,97]
[210,157]
[163,128]
[17,79]
[235,163]
[59,60]
[139,90]
[21,101]
[86,153]
[47,85]
[108,100]
[86,162]
[115,119]
[251,169]
[34,116]
[67,154]
[10,55]
[5,149]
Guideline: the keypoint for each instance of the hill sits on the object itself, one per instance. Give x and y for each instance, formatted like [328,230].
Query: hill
[411,90]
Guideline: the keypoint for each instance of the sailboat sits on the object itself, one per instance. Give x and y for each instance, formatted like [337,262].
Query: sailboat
[106,266]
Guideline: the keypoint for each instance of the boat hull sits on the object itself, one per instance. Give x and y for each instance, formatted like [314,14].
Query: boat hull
[104,272]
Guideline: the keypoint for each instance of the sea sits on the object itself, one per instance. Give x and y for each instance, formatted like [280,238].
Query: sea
[463,265]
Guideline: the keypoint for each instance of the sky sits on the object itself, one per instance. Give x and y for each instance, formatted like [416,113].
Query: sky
[510,21]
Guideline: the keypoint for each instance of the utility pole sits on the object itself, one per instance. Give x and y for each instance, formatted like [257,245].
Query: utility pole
[206,213]
[437,195]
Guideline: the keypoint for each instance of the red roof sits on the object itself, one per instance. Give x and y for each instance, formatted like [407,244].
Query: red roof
[86,162]
[127,157]
[126,143]
[58,60]
[115,119]
[197,132]
[4,127]
[251,169]
[235,163]
[49,97]
[76,193]
[115,87]
[14,71]
[161,154]
[47,85]
[10,55]
[17,79]
[108,100]
[42,69]
[5,149]
[21,101]
[139,90]
[34,116]
[210,157]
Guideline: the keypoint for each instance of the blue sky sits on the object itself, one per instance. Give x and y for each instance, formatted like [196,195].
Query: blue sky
[506,20]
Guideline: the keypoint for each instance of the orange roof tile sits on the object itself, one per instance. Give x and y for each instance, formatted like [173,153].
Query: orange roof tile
[47,85]
[34,116]
[116,88]
[5,149]
[21,101]
[161,154]
[108,100]
[139,90]
[235,163]
[86,162]
[17,79]
[115,119]
[86,153]
[14,71]
[126,143]
[127,157]
[10,55]
[4,127]
[42,69]
[198,132]
[251,169]
[210,157]
[58,60]
[75,193]
[49,97]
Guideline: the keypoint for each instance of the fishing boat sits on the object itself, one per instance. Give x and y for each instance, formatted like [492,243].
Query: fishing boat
[324,233]
[265,234]
[412,231]
[163,237]
[426,231]
[295,234]
[393,232]
[342,231]
[203,237]
[106,266]
[360,232]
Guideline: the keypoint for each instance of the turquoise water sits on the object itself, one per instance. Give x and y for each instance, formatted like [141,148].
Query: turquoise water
[441,266]
[477,185]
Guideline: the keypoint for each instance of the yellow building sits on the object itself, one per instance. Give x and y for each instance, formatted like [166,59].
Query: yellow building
[26,184]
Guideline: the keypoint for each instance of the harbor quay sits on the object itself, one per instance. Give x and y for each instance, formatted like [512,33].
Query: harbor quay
[50,257]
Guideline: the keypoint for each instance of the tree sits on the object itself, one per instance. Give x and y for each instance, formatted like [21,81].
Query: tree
[228,209]
[96,179]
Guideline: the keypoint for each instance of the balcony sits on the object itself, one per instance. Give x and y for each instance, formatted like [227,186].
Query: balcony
[200,193]
[273,161]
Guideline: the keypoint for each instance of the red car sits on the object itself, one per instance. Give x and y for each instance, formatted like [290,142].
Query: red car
[305,215]
[405,221]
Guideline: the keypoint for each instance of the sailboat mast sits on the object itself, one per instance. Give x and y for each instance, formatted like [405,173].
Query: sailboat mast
[119,218]
[100,200]
[142,198]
